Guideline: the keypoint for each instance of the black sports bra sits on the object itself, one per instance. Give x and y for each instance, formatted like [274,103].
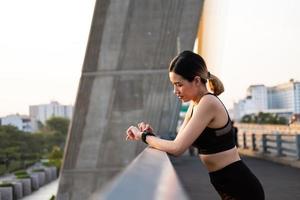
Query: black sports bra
[215,140]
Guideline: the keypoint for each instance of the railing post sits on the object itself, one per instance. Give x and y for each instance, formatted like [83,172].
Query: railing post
[298,145]
[279,144]
[244,141]
[253,141]
[264,143]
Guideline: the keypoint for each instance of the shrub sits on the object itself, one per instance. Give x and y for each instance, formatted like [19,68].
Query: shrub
[20,173]
[22,176]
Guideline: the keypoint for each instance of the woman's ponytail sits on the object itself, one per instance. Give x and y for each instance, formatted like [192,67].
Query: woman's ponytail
[215,84]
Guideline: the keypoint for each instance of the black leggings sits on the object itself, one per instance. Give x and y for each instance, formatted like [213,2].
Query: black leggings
[237,182]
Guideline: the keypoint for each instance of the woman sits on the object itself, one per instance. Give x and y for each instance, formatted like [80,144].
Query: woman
[207,126]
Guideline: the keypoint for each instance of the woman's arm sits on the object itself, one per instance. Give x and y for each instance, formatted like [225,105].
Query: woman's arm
[146,127]
[187,116]
[203,114]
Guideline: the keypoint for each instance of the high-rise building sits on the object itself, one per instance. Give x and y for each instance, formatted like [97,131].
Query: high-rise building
[283,99]
[256,101]
[258,95]
[54,109]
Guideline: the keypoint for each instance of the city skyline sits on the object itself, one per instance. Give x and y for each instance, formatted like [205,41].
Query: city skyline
[244,43]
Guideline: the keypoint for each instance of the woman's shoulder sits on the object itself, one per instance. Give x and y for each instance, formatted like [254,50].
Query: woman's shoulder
[211,103]
[210,99]
[207,103]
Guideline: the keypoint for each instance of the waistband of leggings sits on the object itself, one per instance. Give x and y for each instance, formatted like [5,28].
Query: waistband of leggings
[228,167]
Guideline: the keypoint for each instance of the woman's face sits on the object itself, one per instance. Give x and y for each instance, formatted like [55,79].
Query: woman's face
[183,89]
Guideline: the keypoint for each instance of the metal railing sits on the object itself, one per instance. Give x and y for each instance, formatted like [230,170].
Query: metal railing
[278,144]
[150,176]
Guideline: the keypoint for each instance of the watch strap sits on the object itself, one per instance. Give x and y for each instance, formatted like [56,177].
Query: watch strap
[145,134]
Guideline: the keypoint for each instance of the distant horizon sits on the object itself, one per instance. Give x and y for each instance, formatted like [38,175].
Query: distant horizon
[74,103]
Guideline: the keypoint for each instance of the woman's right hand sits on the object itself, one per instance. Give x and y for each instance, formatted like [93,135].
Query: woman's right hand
[145,127]
[133,133]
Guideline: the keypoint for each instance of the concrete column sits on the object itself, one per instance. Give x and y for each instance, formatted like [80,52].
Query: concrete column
[41,177]
[17,190]
[6,193]
[35,181]
[48,175]
[53,173]
[124,81]
[26,185]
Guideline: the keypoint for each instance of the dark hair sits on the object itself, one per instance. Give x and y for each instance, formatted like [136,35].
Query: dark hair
[189,65]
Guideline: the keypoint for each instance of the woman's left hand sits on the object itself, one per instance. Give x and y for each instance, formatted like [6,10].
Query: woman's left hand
[133,133]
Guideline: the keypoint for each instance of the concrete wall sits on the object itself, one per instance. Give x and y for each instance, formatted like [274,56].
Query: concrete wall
[124,81]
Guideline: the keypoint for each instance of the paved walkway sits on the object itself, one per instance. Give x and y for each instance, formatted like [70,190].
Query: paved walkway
[279,181]
[44,193]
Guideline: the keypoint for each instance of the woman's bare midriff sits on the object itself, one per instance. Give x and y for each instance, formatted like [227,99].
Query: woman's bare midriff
[214,162]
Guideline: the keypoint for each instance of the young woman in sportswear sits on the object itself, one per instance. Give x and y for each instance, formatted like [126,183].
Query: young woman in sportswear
[207,126]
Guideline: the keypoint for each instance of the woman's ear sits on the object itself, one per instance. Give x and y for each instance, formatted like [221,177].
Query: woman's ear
[197,80]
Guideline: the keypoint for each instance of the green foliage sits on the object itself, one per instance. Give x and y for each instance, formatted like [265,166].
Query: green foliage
[19,149]
[23,176]
[20,172]
[6,184]
[52,198]
[38,170]
[264,118]
[54,162]
[55,157]
[59,125]
[56,153]
[13,166]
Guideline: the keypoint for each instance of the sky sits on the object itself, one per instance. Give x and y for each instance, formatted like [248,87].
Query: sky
[42,47]
[249,42]
[43,43]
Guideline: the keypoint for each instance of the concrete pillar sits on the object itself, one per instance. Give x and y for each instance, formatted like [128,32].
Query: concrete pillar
[53,173]
[48,175]
[26,185]
[17,190]
[41,177]
[6,193]
[124,81]
[35,181]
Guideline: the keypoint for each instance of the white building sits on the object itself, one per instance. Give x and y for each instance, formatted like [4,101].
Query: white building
[258,95]
[283,99]
[22,122]
[256,101]
[54,109]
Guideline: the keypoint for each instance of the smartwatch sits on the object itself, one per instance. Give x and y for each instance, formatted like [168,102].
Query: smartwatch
[145,134]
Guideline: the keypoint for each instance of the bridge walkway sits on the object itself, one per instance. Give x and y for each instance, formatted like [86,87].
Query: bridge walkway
[279,181]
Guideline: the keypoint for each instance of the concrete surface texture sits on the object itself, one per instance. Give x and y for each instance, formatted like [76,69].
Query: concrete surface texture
[124,81]
[279,181]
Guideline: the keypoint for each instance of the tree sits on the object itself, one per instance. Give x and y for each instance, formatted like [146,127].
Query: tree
[56,153]
[264,118]
[58,124]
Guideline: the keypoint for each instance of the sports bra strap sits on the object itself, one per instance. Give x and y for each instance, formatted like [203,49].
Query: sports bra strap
[221,102]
